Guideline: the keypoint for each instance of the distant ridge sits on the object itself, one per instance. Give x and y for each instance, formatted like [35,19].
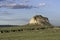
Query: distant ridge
[9,25]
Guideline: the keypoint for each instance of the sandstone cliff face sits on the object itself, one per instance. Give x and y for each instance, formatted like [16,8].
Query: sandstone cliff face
[39,19]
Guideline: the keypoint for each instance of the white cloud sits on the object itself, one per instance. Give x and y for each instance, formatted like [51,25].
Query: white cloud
[41,4]
[16,6]
[26,0]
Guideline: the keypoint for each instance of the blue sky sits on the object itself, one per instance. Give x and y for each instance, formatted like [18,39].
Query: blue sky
[17,12]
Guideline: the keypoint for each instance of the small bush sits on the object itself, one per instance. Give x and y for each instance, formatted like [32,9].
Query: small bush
[38,28]
[6,31]
[1,31]
[42,28]
[19,30]
[13,30]
[33,29]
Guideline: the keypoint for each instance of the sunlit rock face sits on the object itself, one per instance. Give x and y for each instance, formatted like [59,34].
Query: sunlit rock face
[39,19]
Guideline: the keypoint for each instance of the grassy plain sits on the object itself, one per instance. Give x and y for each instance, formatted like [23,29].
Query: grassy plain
[46,34]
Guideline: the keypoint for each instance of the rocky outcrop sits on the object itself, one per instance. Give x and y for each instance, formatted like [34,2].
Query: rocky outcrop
[40,20]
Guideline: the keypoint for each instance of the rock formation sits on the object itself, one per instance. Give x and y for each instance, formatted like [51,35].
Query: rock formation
[40,20]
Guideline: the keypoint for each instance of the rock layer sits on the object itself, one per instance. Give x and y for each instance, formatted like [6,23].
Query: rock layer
[39,19]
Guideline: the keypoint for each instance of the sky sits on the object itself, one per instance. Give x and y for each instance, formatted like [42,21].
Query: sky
[19,12]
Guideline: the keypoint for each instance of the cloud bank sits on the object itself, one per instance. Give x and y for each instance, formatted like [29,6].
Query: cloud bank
[13,5]
[21,6]
[16,6]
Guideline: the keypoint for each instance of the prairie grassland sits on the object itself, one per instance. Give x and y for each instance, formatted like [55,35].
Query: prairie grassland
[46,34]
